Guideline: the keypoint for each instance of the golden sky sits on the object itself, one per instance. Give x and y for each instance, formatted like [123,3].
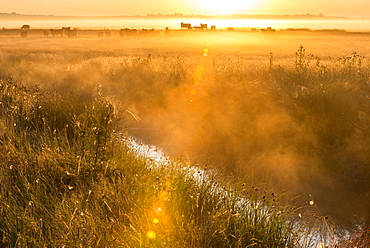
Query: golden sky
[349,8]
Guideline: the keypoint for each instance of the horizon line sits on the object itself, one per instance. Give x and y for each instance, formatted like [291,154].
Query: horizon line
[186,15]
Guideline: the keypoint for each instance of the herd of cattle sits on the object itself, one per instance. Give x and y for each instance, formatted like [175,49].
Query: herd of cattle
[66,31]
[200,27]
[72,33]
[126,32]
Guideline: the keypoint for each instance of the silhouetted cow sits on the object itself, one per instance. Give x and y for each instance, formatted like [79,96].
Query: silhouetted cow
[126,32]
[25,27]
[65,31]
[72,34]
[186,25]
[149,32]
[55,32]
[201,27]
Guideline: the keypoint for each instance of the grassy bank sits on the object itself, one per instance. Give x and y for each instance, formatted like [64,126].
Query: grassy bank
[68,180]
[284,116]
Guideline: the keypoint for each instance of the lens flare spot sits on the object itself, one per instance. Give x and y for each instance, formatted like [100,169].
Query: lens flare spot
[151,235]
[193,92]
[155,221]
[205,54]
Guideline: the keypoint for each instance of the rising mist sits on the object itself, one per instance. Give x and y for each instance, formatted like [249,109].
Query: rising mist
[261,107]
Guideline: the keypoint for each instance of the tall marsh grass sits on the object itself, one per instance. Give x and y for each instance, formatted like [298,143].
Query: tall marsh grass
[67,181]
[294,120]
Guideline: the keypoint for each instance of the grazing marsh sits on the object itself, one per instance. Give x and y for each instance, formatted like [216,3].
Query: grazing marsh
[264,114]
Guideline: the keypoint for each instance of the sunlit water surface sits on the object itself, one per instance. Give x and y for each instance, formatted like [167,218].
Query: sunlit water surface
[158,159]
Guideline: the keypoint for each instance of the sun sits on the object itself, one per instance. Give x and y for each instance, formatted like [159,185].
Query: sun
[225,6]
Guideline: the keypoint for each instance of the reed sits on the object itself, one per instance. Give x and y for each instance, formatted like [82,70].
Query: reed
[67,181]
[296,122]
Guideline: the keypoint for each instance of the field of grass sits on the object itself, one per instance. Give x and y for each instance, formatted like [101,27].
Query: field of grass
[261,114]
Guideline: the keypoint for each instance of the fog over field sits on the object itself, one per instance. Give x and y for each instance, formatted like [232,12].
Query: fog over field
[286,111]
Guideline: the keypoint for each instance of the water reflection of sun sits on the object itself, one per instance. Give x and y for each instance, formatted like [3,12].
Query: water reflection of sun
[225,6]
